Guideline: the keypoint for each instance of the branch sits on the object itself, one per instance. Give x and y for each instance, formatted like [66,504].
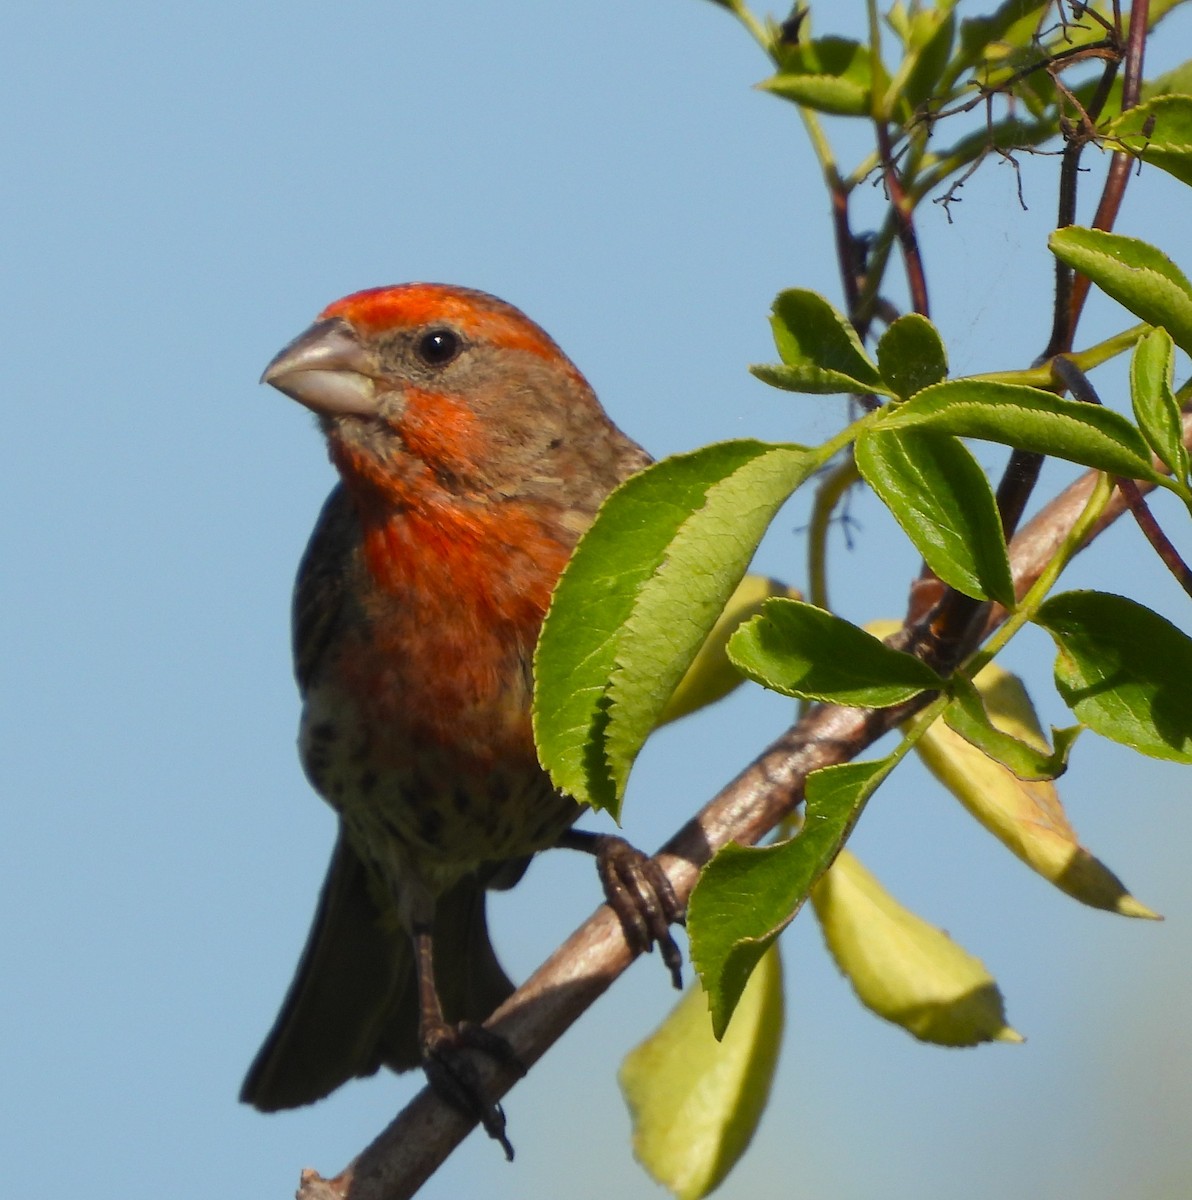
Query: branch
[1022,471]
[1122,163]
[904,209]
[421,1137]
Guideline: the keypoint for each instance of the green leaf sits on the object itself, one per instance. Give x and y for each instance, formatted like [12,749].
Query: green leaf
[1177,81]
[1002,49]
[1155,406]
[800,650]
[820,349]
[1135,274]
[637,600]
[940,496]
[911,355]
[831,74]
[712,675]
[930,33]
[1160,133]
[695,1101]
[746,896]
[1013,25]
[1031,419]
[902,968]
[1124,670]
[899,20]
[966,714]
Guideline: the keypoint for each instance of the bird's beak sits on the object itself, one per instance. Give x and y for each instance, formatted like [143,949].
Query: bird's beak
[326,368]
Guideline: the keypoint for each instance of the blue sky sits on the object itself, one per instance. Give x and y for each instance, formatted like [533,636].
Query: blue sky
[185,187]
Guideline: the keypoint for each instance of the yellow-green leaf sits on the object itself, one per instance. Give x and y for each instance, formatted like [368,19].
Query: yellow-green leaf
[1135,274]
[712,675]
[831,74]
[1155,406]
[1123,670]
[902,968]
[1159,131]
[695,1102]
[820,350]
[1025,815]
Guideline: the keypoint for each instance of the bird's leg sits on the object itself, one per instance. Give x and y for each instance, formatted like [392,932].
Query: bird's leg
[448,1068]
[638,891]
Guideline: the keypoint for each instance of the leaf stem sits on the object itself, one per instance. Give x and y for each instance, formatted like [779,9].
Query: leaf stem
[822,149]
[1086,360]
[756,29]
[832,487]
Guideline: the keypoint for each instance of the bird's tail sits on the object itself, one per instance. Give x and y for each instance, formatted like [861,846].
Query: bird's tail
[353,1004]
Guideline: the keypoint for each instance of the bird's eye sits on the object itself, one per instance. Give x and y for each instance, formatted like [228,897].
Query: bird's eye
[438,347]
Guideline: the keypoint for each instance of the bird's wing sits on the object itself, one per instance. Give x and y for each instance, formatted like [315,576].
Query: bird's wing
[321,590]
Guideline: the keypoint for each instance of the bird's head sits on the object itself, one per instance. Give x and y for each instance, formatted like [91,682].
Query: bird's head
[425,389]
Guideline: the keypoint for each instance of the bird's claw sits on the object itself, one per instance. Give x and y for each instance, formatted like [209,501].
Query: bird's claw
[453,1074]
[639,892]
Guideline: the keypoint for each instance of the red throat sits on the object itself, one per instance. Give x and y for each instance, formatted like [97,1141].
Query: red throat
[502,564]
[457,600]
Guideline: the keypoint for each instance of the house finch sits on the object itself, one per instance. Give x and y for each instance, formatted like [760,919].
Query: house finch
[472,454]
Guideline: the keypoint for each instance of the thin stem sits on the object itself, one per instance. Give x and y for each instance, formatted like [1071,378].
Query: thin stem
[1135,50]
[1153,532]
[1015,487]
[1064,314]
[1086,360]
[875,270]
[902,207]
[833,486]
[1022,471]
[757,30]
[822,149]
[1075,381]
[852,270]
[875,31]
[1028,605]
[1062,330]
[922,721]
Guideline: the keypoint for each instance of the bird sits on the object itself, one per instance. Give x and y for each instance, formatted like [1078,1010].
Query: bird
[472,455]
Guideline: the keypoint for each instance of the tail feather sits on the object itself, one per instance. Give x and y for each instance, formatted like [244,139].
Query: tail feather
[353,1004]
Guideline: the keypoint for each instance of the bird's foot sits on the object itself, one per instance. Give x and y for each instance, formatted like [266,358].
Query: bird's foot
[637,890]
[452,1073]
